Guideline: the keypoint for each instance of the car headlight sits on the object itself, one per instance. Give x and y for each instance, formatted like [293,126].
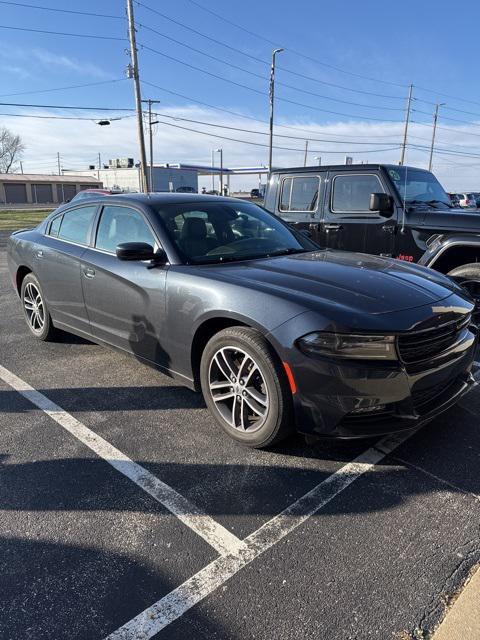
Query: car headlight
[354,347]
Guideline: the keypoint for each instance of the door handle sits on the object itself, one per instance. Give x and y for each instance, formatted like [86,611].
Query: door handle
[89,273]
[333,227]
[39,253]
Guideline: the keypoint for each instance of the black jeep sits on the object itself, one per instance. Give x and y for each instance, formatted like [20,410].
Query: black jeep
[389,210]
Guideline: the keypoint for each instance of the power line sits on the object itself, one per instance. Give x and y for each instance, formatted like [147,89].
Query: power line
[57,106]
[41,117]
[298,53]
[62,33]
[257,59]
[277,135]
[80,13]
[258,75]
[259,144]
[247,117]
[73,86]
[262,93]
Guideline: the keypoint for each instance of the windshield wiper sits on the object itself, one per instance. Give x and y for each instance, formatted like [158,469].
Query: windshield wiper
[434,202]
[286,252]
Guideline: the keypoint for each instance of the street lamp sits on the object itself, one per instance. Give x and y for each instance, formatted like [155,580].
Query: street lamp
[272,96]
[220,151]
[319,160]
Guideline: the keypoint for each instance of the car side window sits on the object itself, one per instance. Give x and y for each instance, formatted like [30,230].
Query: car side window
[351,193]
[300,194]
[122,224]
[75,224]
[55,226]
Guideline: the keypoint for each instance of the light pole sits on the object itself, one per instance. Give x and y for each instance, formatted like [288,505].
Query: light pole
[272,97]
[319,160]
[435,118]
[213,175]
[220,151]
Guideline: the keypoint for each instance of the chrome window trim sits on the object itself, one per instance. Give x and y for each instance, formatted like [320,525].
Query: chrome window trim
[348,174]
[292,178]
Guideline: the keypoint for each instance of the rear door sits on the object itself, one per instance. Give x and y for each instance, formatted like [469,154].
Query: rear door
[348,223]
[125,300]
[299,200]
[57,265]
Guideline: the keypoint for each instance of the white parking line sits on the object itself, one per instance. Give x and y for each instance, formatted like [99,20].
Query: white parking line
[177,602]
[222,540]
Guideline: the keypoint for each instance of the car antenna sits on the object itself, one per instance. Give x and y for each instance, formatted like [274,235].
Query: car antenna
[402,229]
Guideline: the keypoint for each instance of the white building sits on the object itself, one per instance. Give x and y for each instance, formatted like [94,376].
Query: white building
[165,178]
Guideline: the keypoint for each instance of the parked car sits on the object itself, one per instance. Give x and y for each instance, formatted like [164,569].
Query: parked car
[229,299]
[390,210]
[93,193]
[467,200]
[454,199]
[476,195]
[185,190]
[255,193]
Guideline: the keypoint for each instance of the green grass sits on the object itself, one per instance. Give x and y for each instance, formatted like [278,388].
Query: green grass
[12,220]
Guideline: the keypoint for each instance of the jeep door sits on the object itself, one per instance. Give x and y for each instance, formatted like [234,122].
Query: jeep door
[300,199]
[348,224]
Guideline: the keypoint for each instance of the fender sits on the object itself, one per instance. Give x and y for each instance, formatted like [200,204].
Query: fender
[438,244]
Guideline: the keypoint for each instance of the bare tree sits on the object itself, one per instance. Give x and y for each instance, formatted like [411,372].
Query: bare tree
[11,150]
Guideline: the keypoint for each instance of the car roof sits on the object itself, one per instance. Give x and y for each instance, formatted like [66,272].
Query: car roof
[342,167]
[154,199]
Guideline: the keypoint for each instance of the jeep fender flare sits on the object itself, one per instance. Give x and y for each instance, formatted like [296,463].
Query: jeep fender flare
[439,245]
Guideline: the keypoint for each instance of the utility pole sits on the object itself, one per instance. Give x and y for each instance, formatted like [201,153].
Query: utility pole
[138,94]
[272,98]
[306,152]
[407,120]
[150,135]
[99,165]
[213,175]
[58,163]
[435,118]
[21,166]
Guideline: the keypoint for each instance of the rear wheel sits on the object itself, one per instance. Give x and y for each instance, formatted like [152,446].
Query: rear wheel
[35,310]
[245,387]
[468,276]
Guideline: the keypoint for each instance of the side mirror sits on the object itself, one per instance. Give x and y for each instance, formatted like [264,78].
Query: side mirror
[135,251]
[382,203]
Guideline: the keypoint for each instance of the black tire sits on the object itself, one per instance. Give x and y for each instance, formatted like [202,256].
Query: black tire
[277,422]
[468,276]
[42,329]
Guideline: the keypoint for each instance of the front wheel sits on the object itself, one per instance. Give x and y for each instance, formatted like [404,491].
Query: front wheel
[468,276]
[245,387]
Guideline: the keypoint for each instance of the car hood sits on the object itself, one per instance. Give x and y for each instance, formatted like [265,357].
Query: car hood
[360,282]
[453,219]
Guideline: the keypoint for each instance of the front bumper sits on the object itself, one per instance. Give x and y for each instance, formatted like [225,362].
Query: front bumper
[356,400]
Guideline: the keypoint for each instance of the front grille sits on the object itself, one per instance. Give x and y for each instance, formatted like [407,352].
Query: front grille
[428,343]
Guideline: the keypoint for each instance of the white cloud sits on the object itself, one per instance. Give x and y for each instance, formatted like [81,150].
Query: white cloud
[50,59]
[79,142]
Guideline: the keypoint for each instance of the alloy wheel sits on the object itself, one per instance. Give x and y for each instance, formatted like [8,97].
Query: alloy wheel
[34,309]
[238,389]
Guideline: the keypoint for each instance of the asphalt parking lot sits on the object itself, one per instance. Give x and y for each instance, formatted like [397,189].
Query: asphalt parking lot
[127,514]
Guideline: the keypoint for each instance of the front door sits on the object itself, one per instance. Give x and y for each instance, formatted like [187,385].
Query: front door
[125,300]
[348,223]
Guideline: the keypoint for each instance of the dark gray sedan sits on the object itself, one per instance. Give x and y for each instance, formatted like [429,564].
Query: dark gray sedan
[227,298]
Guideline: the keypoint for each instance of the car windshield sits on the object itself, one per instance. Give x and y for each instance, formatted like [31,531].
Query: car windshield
[229,231]
[416,186]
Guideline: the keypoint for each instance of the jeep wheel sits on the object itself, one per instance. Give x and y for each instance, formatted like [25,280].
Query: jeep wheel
[468,276]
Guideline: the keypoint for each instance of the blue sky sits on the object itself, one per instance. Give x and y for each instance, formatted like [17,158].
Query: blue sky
[430,44]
